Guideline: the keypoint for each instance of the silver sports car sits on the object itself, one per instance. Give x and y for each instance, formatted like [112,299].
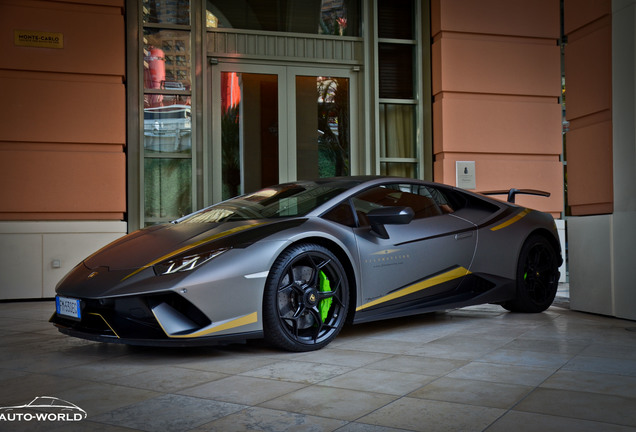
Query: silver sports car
[292,263]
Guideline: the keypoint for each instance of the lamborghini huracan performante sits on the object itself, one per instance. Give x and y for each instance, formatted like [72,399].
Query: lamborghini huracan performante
[292,263]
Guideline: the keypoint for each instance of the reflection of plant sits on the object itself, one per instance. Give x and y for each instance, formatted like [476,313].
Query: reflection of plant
[168,188]
[333,109]
[342,25]
[333,22]
[231,158]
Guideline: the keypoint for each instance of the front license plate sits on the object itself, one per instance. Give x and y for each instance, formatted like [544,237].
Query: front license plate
[68,307]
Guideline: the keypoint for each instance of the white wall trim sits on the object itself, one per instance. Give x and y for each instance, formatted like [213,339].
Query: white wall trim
[41,227]
[35,255]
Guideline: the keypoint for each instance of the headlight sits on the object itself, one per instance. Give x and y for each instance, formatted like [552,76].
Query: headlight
[186,263]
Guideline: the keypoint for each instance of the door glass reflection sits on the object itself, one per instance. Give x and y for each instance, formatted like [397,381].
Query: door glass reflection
[322,126]
[249,132]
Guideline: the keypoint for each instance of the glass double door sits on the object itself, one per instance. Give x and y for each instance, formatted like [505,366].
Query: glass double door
[272,124]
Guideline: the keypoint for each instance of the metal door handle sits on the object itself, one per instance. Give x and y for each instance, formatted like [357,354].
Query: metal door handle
[463,235]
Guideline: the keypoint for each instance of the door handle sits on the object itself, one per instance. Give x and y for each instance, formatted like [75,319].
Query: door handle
[463,235]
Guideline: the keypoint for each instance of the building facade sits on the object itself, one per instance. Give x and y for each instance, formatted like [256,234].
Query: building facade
[126,113]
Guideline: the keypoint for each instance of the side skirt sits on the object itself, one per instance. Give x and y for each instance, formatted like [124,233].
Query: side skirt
[473,290]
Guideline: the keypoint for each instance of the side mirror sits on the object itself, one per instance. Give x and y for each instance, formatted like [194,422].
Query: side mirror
[389,216]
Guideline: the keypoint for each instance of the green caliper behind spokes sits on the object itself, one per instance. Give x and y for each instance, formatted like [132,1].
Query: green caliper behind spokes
[325,304]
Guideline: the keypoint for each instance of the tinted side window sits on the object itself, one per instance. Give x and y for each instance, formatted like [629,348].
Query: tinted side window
[424,200]
[446,202]
[342,214]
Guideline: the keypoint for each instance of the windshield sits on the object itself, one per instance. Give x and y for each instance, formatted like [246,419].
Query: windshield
[286,200]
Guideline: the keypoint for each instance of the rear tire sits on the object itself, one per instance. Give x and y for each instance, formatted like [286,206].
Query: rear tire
[306,298]
[537,276]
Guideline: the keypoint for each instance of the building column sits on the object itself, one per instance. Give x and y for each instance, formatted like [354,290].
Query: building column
[601,246]
[62,138]
[496,88]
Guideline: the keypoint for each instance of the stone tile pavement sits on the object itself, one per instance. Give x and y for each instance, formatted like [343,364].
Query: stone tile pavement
[473,369]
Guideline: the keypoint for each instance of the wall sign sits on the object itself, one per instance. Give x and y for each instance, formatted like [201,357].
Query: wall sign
[29,38]
[465,174]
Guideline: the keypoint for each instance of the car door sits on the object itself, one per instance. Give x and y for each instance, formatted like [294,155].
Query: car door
[420,263]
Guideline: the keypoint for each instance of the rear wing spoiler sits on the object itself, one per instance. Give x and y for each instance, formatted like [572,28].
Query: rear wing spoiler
[512,192]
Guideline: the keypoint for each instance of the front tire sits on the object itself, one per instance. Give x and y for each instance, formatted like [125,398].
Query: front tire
[537,276]
[306,298]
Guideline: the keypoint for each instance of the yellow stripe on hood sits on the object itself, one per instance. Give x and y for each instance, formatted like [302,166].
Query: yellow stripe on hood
[192,246]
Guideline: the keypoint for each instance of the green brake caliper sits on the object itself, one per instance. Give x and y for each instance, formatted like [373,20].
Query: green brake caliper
[325,304]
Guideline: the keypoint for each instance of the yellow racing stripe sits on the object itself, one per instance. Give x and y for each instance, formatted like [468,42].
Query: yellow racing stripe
[217,327]
[106,322]
[192,246]
[427,283]
[510,221]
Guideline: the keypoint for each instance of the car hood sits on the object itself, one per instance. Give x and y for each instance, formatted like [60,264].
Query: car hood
[151,244]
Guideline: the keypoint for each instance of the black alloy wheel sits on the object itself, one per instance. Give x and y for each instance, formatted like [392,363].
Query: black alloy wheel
[306,298]
[537,276]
